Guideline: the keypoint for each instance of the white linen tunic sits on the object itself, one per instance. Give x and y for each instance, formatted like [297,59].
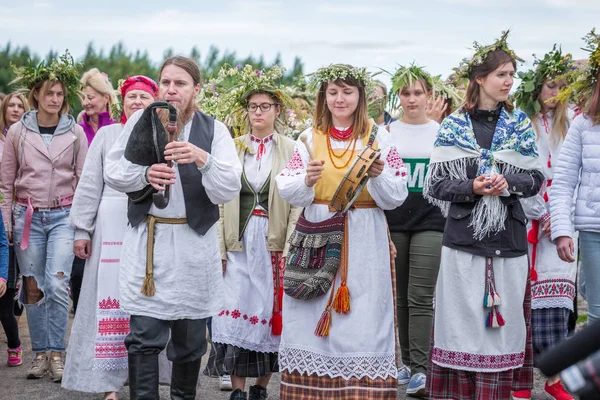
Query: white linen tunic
[249,276]
[187,266]
[360,344]
[555,284]
[98,362]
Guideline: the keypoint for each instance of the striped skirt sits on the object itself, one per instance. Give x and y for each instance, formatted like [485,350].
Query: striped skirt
[226,359]
[295,386]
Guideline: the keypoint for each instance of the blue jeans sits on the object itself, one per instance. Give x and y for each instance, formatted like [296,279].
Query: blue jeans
[46,262]
[589,245]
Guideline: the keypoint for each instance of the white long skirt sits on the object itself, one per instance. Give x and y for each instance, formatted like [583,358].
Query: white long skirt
[461,339]
[249,284]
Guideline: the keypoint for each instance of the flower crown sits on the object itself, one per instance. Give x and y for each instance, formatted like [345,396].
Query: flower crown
[225,97]
[585,78]
[63,69]
[334,72]
[554,65]
[481,53]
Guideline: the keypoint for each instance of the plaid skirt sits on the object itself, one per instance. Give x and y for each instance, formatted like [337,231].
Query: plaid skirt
[453,384]
[295,386]
[549,326]
[226,359]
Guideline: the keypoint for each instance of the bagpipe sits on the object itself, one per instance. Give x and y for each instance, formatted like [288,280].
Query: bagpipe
[146,146]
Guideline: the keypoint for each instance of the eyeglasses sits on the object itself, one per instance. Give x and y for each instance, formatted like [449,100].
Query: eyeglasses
[264,107]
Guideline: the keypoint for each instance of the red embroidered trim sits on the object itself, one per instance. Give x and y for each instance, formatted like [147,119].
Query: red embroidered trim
[254,319]
[552,288]
[110,260]
[113,326]
[110,350]
[295,164]
[259,141]
[108,304]
[477,361]
[395,161]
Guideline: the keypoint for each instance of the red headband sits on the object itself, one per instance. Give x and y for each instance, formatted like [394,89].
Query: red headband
[138,82]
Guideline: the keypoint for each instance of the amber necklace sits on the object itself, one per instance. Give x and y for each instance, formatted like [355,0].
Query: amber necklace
[332,154]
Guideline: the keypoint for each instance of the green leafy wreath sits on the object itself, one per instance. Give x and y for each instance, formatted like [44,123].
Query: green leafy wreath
[553,66]
[63,69]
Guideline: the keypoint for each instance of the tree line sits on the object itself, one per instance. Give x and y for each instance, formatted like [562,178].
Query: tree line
[119,63]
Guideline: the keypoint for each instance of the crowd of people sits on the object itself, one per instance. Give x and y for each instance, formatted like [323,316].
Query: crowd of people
[192,217]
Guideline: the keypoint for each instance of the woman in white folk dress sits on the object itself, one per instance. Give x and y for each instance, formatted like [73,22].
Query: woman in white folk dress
[96,356]
[350,352]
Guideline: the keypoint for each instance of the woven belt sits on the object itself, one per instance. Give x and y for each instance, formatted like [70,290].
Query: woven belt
[148,288]
[354,206]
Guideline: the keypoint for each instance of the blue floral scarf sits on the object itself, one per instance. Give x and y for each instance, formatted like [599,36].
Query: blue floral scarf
[513,148]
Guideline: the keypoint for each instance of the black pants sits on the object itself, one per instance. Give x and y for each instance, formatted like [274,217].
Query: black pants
[7,318]
[147,338]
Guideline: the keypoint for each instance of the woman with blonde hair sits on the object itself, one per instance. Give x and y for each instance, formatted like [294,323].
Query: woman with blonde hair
[552,280]
[98,100]
[339,335]
[12,109]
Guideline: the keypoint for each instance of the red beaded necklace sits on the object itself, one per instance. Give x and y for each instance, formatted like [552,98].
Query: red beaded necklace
[338,134]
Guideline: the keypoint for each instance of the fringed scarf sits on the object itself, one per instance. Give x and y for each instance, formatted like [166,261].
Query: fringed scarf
[513,148]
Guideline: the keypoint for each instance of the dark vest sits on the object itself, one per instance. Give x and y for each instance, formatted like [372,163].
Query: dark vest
[201,213]
[249,199]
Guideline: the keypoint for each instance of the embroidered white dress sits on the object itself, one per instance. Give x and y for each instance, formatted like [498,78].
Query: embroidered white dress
[555,284]
[249,276]
[96,356]
[187,266]
[360,344]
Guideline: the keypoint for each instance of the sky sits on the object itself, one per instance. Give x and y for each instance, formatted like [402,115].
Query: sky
[378,34]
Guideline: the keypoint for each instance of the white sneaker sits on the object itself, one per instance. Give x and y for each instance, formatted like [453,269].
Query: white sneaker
[225,384]
[403,375]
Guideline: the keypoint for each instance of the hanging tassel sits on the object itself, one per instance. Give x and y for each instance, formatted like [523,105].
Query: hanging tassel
[494,319]
[277,324]
[148,285]
[533,234]
[533,274]
[488,299]
[324,324]
[497,300]
[500,318]
[341,303]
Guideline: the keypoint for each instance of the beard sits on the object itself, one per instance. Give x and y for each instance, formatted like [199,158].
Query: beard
[183,116]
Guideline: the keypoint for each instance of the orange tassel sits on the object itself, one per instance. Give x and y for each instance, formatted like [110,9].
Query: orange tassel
[341,304]
[324,324]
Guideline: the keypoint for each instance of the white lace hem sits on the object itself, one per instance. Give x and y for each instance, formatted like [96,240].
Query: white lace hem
[346,366]
[552,303]
[258,347]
